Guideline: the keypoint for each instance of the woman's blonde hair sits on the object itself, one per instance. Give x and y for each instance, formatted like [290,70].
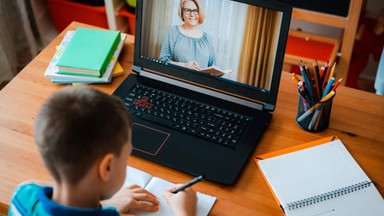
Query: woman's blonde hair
[197,2]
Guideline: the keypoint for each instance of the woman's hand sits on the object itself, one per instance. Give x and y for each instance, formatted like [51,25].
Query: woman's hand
[192,65]
[182,203]
[133,198]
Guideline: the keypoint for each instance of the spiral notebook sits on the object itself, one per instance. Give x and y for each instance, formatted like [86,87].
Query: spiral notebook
[321,179]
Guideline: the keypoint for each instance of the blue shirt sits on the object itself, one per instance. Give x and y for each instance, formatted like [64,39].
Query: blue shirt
[32,199]
[180,48]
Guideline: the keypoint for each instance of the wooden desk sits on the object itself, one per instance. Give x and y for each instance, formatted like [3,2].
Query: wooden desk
[357,118]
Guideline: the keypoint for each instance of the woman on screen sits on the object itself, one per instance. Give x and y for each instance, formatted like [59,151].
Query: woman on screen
[186,45]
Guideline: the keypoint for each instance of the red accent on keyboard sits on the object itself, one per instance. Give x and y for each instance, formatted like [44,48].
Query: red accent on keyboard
[136,102]
[142,103]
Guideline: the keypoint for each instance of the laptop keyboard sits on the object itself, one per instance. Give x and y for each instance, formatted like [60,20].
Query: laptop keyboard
[205,121]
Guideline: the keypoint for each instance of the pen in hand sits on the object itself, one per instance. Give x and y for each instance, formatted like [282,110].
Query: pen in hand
[188,184]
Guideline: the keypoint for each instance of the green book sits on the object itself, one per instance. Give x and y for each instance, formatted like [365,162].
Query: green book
[89,52]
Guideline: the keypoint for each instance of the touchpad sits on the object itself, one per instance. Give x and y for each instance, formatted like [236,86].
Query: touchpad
[148,140]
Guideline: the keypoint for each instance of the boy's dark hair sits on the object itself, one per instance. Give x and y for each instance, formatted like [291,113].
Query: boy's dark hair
[76,126]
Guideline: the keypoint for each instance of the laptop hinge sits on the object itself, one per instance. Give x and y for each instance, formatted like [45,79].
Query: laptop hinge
[269,107]
[136,69]
[179,83]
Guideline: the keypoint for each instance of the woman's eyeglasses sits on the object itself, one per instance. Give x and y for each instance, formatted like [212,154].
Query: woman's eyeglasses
[189,11]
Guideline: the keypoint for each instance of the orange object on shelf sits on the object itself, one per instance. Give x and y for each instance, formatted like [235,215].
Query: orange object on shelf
[307,47]
[63,12]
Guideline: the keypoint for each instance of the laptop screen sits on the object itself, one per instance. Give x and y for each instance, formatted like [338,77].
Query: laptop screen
[242,40]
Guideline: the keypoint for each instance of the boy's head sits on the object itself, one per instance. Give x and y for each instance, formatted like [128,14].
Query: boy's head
[77,126]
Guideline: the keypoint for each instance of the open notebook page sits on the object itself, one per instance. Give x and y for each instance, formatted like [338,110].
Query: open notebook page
[312,171]
[136,176]
[156,186]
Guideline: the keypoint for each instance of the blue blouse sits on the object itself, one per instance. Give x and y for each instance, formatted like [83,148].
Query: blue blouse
[180,48]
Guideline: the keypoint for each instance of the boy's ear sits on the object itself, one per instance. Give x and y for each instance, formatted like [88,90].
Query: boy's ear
[105,166]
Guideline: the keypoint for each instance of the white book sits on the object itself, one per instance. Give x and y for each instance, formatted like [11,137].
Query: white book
[321,180]
[52,69]
[156,186]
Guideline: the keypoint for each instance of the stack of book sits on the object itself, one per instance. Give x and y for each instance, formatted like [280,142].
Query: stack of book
[86,56]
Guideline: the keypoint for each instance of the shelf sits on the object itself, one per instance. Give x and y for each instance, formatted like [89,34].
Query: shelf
[307,47]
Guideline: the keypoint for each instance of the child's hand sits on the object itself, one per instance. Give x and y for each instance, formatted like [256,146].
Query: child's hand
[182,203]
[133,198]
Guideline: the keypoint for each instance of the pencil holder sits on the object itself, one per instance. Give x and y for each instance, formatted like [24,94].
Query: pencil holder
[313,116]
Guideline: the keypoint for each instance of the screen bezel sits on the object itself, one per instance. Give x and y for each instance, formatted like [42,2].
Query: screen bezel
[254,94]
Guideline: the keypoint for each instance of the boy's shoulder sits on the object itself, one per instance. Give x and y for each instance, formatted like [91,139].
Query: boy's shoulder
[33,199]
[27,189]
[24,200]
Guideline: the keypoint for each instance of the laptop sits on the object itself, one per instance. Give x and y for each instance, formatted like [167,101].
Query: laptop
[193,119]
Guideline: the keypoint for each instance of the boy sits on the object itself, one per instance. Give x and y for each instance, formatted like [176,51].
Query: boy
[83,136]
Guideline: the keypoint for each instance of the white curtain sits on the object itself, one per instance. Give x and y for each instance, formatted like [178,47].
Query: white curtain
[155,19]
[224,22]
